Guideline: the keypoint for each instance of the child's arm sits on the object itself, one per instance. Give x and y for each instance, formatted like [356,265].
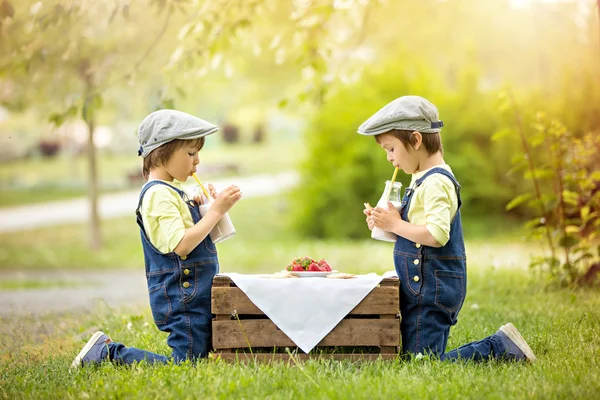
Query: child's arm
[389,220]
[197,233]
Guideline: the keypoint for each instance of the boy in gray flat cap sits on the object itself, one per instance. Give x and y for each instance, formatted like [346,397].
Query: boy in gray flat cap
[181,259]
[429,253]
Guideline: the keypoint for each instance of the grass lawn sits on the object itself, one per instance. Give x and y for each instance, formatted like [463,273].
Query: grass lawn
[38,180]
[561,326]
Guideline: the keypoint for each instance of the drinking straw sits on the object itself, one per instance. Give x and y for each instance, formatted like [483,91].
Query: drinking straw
[202,186]
[392,184]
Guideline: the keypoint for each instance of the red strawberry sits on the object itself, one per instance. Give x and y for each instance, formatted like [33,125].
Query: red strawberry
[297,267]
[313,267]
[327,267]
[321,262]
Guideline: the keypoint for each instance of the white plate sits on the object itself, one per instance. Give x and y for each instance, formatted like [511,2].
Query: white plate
[312,274]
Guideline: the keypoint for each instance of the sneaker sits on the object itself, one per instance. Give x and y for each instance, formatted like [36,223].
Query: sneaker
[92,351]
[516,347]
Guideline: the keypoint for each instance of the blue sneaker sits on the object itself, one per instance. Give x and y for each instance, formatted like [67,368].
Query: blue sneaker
[92,351]
[516,347]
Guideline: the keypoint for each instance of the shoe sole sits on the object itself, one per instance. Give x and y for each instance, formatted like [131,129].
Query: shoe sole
[88,346]
[515,336]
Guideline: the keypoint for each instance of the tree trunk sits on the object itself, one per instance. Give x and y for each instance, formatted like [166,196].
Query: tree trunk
[89,115]
[95,235]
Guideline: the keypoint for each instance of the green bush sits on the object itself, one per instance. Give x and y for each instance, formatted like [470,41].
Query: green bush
[344,169]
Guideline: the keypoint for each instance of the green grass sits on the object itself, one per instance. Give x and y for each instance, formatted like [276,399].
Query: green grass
[38,180]
[21,284]
[561,326]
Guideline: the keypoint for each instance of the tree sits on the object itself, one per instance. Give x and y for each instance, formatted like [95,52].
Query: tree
[63,57]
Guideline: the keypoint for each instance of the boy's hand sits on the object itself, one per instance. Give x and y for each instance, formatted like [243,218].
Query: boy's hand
[201,199]
[226,199]
[367,212]
[213,192]
[385,218]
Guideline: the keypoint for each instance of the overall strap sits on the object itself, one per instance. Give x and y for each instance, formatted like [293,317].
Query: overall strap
[445,172]
[438,170]
[153,183]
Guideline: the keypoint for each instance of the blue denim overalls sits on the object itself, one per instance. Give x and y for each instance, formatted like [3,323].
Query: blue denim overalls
[180,289]
[432,282]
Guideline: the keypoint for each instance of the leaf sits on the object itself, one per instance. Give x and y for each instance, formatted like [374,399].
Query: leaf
[282,103]
[568,241]
[56,118]
[571,198]
[572,229]
[585,211]
[533,223]
[501,134]
[520,199]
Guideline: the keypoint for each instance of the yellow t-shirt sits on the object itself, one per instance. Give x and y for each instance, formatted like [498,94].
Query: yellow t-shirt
[166,216]
[434,204]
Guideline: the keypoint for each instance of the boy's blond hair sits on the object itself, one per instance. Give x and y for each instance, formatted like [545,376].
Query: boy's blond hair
[431,141]
[162,154]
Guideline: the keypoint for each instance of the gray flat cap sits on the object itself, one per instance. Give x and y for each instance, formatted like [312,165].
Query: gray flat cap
[411,113]
[163,126]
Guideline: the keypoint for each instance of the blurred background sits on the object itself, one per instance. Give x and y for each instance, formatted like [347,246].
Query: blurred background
[517,84]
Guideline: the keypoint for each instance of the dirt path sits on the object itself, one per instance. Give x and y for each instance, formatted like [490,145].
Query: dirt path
[72,291]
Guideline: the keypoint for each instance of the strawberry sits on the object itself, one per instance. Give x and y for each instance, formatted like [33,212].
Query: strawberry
[297,267]
[327,267]
[322,261]
[313,267]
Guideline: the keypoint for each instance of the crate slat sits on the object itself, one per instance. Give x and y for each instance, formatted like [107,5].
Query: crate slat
[277,357]
[226,300]
[264,333]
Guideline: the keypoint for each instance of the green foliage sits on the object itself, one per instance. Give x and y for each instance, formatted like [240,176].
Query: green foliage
[564,195]
[344,169]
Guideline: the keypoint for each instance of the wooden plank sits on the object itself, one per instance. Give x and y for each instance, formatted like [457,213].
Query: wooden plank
[381,300]
[390,282]
[222,281]
[279,357]
[264,333]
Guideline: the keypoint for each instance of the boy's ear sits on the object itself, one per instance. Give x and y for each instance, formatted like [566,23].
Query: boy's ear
[416,139]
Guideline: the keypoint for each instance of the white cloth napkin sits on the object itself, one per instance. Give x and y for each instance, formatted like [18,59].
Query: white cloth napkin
[306,309]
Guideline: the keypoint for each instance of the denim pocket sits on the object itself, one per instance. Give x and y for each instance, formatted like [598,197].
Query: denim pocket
[409,272]
[160,303]
[210,246]
[449,290]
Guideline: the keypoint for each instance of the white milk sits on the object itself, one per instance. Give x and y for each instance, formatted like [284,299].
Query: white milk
[223,230]
[393,196]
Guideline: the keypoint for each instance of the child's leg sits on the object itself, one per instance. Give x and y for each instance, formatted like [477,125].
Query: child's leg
[128,355]
[507,343]
[191,330]
[424,328]
[100,348]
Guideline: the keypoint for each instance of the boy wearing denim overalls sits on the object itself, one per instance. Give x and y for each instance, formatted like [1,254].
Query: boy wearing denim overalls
[429,254]
[180,258]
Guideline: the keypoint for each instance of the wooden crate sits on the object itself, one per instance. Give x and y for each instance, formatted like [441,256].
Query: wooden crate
[370,331]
